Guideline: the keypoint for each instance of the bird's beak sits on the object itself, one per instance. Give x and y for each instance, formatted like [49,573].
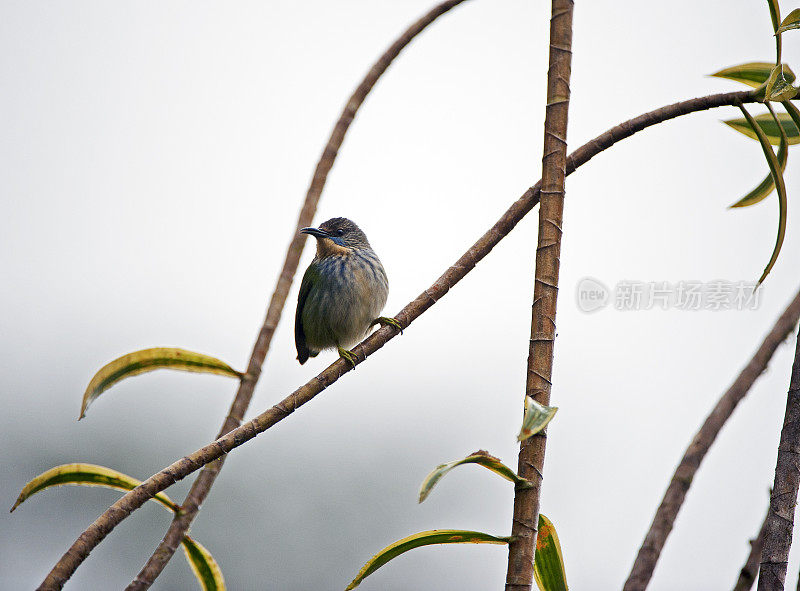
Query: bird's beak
[316,232]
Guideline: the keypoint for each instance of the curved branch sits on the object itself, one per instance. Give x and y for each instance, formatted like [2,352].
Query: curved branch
[134,499]
[667,512]
[202,485]
[783,500]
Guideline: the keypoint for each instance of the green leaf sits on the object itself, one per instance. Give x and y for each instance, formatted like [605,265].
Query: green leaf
[86,475]
[200,560]
[425,538]
[548,563]
[777,178]
[535,418]
[767,185]
[790,22]
[146,360]
[203,565]
[775,15]
[778,87]
[480,457]
[753,74]
[770,128]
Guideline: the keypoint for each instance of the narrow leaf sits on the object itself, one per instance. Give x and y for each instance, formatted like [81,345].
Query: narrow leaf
[548,563]
[203,565]
[86,475]
[200,560]
[535,418]
[790,22]
[771,129]
[766,187]
[778,87]
[775,15]
[753,74]
[482,458]
[150,360]
[777,178]
[425,538]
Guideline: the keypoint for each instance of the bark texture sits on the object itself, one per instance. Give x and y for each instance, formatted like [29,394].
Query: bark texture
[650,551]
[519,575]
[747,576]
[134,499]
[783,500]
[202,485]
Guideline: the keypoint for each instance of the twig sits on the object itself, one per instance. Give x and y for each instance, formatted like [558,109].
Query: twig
[134,499]
[202,485]
[519,575]
[747,575]
[783,500]
[667,512]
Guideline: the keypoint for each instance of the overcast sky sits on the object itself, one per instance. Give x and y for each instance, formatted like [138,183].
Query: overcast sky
[153,159]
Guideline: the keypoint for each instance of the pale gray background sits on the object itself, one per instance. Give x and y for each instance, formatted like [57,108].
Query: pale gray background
[153,159]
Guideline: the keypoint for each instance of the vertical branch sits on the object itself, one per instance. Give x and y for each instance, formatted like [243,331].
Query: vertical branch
[543,323]
[202,485]
[671,503]
[783,501]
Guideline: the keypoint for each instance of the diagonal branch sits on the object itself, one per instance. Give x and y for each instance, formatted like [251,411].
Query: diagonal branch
[202,485]
[783,500]
[134,499]
[747,575]
[545,294]
[667,512]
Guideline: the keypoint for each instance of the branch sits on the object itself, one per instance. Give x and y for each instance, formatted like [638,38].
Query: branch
[667,512]
[134,499]
[747,575]
[783,500]
[545,294]
[202,485]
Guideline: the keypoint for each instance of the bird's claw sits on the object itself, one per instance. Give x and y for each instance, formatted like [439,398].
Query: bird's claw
[348,356]
[386,321]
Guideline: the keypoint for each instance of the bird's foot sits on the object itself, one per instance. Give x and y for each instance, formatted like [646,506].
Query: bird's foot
[348,356]
[386,321]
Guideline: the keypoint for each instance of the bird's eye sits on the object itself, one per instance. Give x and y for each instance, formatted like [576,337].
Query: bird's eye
[340,232]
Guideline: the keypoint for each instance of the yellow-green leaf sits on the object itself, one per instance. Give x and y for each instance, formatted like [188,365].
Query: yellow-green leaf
[771,129]
[480,457]
[424,538]
[753,74]
[790,22]
[535,418]
[777,178]
[778,87]
[203,565]
[767,185]
[146,360]
[200,560]
[85,475]
[548,562]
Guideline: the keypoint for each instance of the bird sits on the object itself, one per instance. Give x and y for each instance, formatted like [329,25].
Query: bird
[342,292]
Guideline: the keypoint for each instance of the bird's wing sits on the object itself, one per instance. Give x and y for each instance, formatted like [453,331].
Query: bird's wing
[299,335]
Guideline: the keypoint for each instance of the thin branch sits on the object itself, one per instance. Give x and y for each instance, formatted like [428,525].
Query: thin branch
[521,549]
[667,512]
[783,500]
[202,485]
[747,575]
[134,499]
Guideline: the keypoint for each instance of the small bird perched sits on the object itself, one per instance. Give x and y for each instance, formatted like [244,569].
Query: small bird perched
[343,290]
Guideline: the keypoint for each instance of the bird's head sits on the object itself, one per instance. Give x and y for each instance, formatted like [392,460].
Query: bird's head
[337,236]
